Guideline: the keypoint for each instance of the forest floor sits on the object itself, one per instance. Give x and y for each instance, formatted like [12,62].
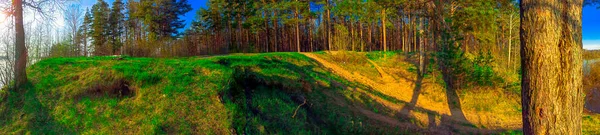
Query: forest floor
[269,93]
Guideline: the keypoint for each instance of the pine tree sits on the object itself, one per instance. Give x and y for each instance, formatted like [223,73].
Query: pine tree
[166,21]
[116,26]
[85,29]
[99,27]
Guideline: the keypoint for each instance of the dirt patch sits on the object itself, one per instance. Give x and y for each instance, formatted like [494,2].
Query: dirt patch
[118,88]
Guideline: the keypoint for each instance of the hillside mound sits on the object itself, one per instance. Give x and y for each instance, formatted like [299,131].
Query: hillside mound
[272,93]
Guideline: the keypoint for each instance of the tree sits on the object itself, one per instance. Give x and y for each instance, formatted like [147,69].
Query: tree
[115,25]
[87,22]
[73,15]
[20,50]
[165,20]
[551,51]
[99,27]
[386,5]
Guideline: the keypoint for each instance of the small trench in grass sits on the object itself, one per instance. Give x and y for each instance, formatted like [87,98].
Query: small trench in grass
[118,88]
[247,84]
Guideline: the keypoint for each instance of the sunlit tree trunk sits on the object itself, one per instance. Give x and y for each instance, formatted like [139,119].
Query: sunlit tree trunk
[510,39]
[551,51]
[328,26]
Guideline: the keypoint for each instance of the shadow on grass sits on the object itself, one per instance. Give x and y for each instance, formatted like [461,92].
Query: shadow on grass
[24,107]
[263,99]
[317,107]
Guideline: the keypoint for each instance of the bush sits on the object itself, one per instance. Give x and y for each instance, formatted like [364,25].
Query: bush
[376,55]
[592,78]
[349,57]
[459,71]
[482,73]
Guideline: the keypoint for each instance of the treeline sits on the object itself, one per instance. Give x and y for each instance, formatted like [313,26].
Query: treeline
[301,25]
[469,40]
[151,27]
[137,28]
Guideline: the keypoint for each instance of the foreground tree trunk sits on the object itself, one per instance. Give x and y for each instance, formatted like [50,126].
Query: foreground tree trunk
[20,50]
[551,51]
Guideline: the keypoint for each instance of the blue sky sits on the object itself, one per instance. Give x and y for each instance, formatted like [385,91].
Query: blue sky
[591,27]
[591,21]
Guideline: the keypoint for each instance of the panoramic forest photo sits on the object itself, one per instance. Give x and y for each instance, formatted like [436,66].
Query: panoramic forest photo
[347,67]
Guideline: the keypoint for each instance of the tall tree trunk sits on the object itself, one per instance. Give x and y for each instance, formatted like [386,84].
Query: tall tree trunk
[352,34]
[362,44]
[409,33]
[268,40]
[310,40]
[297,30]
[414,24]
[85,37]
[328,26]
[230,33]
[551,51]
[239,32]
[276,26]
[268,35]
[20,50]
[370,44]
[421,49]
[404,36]
[384,30]
[509,39]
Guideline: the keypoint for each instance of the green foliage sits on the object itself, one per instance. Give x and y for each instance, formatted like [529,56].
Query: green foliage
[482,73]
[376,55]
[64,48]
[100,26]
[459,71]
[116,25]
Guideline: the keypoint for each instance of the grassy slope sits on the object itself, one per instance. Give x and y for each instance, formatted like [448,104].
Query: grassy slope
[221,95]
[257,93]
[499,106]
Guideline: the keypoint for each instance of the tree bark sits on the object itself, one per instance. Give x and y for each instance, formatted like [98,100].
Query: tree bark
[20,50]
[551,51]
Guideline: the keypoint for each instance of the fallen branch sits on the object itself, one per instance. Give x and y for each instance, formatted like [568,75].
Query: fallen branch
[298,108]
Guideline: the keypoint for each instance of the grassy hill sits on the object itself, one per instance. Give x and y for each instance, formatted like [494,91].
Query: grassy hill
[272,93]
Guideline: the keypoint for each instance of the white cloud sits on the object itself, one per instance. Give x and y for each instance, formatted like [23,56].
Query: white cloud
[591,44]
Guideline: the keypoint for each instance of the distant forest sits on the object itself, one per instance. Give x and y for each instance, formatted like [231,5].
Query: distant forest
[153,28]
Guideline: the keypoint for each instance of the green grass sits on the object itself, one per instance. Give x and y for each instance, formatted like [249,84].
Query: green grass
[216,95]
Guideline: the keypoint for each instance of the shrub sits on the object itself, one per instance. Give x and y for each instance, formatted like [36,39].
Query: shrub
[349,57]
[482,73]
[592,78]
[459,71]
